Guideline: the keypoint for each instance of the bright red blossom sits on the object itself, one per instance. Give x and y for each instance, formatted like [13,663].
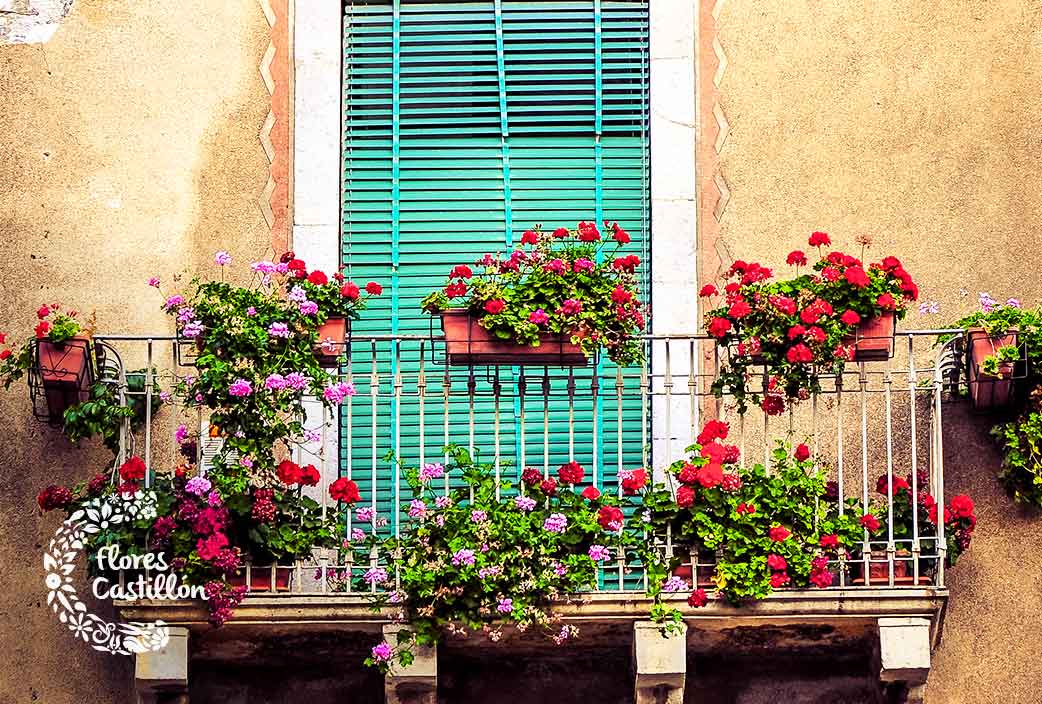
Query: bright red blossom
[591,493]
[779,533]
[344,490]
[796,258]
[495,306]
[373,288]
[850,318]
[819,239]
[802,453]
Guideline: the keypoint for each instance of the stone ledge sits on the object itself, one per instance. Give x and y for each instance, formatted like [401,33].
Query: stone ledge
[351,612]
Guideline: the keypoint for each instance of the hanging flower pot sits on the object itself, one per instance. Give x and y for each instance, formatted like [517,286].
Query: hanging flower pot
[992,361]
[65,373]
[260,578]
[467,343]
[332,340]
[873,341]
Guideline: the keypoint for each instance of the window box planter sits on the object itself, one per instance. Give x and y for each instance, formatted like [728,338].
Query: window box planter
[467,343]
[990,390]
[332,340]
[873,340]
[65,371]
[260,578]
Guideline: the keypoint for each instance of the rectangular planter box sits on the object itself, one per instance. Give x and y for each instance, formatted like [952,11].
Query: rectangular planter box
[332,341]
[873,340]
[467,343]
[879,571]
[260,578]
[987,390]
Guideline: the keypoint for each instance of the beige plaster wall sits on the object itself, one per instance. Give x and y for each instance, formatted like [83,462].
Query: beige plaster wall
[915,122]
[128,147]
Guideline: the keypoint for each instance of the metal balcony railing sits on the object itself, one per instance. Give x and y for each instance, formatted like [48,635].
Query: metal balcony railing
[877,419]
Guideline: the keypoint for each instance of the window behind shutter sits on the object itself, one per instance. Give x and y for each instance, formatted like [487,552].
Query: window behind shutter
[465,123]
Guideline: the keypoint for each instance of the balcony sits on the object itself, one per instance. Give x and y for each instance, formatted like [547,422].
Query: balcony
[878,419]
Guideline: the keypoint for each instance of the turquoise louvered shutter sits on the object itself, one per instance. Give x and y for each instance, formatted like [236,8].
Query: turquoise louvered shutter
[464,124]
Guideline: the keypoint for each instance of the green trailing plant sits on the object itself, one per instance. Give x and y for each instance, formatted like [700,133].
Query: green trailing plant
[571,282]
[491,553]
[1020,441]
[103,414]
[802,327]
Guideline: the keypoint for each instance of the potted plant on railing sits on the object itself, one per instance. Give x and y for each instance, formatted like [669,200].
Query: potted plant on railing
[256,361]
[490,555]
[334,300]
[768,528]
[838,311]
[59,359]
[559,298]
[1002,341]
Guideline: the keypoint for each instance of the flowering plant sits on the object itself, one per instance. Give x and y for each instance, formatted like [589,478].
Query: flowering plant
[317,293]
[998,319]
[769,529]
[489,553]
[205,527]
[256,359]
[803,326]
[54,325]
[571,282]
[959,518]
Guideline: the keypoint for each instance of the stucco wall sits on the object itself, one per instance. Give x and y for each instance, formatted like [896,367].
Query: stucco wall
[128,147]
[915,122]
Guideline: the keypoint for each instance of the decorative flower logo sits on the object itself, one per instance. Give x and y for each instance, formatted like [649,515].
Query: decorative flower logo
[60,562]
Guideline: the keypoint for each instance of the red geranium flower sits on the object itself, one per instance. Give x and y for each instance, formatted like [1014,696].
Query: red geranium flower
[698,598]
[688,474]
[373,288]
[711,475]
[856,276]
[739,309]
[531,476]
[796,258]
[819,239]
[456,290]
[829,541]
[560,233]
[529,237]
[796,331]
[288,472]
[850,318]
[962,506]
[870,522]
[54,497]
[886,301]
[133,469]
[588,232]
[799,354]
[718,327]
[777,562]
[816,334]
[591,493]
[571,473]
[318,278]
[779,579]
[43,312]
[779,533]
[685,496]
[495,306]
[784,304]
[548,486]
[744,508]
[713,430]
[42,329]
[802,452]
[610,518]
[345,490]
[621,295]
[309,475]
[349,290]
[296,265]
[634,481]
[461,272]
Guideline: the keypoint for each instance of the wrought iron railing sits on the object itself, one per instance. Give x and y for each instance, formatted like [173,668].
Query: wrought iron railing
[878,419]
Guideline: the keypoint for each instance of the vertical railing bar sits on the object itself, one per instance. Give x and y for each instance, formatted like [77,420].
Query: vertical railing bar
[595,391]
[522,388]
[546,422]
[374,394]
[619,384]
[888,417]
[571,414]
[149,389]
[863,381]
[914,444]
[472,385]
[446,394]
[421,393]
[397,353]
[495,427]
[667,394]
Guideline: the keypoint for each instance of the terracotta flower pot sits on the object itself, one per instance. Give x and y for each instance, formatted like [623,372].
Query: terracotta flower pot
[65,371]
[260,578]
[332,341]
[467,343]
[989,390]
[873,341]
